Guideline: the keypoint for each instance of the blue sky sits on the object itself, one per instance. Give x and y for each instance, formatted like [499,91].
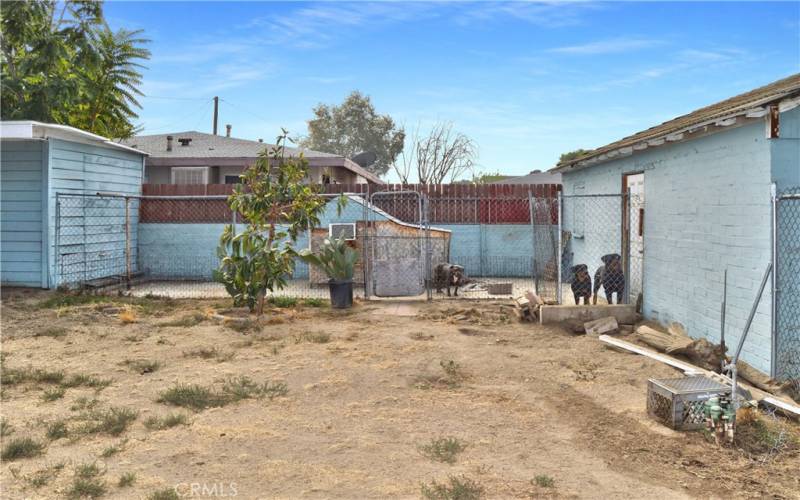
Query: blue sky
[526,81]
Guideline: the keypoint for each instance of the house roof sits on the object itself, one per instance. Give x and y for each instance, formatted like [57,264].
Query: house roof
[218,147]
[31,130]
[535,177]
[713,118]
[204,145]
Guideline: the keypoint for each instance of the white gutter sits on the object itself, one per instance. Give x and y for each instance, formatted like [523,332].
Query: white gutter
[37,130]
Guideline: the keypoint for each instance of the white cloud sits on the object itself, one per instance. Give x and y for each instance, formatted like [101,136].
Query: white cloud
[543,14]
[612,46]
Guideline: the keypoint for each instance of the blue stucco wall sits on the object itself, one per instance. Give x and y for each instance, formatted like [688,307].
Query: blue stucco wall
[707,209]
[189,251]
[91,241]
[491,249]
[22,182]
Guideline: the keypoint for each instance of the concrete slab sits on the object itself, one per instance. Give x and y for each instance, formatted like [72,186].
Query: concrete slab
[624,313]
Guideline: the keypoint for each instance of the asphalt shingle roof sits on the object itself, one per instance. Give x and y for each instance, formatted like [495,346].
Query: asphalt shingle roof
[209,146]
[785,88]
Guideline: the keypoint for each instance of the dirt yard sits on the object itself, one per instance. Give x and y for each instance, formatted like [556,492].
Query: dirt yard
[134,398]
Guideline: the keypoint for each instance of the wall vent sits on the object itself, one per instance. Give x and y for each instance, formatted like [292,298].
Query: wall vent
[338,230]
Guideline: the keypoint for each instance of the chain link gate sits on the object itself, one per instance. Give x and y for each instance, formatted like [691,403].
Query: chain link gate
[399,253]
[95,239]
[545,237]
[787,284]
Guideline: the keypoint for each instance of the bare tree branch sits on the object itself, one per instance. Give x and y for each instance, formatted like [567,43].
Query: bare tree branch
[443,154]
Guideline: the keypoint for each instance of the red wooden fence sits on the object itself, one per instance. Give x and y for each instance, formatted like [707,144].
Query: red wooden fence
[448,203]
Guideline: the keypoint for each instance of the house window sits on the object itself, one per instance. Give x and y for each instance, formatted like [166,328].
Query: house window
[190,175]
[232,179]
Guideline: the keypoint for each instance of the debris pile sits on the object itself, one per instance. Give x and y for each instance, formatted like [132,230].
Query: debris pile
[474,316]
[527,307]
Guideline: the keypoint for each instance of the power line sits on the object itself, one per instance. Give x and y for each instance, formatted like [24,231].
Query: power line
[201,109]
[147,96]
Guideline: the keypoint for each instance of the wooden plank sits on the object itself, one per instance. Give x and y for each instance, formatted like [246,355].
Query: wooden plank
[687,368]
[788,408]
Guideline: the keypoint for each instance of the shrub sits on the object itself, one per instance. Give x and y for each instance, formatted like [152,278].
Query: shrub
[165,494]
[197,397]
[283,302]
[53,394]
[21,448]
[443,449]
[126,479]
[192,396]
[113,421]
[87,488]
[544,481]
[57,430]
[187,320]
[457,488]
[171,420]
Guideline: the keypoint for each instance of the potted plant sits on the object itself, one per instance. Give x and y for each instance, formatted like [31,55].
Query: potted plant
[337,260]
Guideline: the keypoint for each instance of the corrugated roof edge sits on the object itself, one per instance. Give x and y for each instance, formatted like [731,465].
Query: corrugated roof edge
[673,130]
[360,200]
[13,133]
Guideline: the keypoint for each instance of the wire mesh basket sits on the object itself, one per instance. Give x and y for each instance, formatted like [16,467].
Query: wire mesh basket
[678,402]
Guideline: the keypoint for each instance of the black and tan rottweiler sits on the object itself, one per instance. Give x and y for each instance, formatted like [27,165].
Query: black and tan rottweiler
[610,277]
[581,284]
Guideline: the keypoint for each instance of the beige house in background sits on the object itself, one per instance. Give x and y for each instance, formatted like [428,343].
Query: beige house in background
[199,158]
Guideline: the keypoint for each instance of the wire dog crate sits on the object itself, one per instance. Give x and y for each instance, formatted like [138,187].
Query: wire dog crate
[678,402]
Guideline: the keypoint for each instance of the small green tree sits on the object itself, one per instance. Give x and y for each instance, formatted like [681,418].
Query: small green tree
[277,206]
[572,155]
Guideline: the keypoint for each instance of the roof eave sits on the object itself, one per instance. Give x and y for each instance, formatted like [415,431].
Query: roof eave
[718,124]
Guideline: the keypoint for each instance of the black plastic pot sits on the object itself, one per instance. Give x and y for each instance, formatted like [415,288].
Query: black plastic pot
[341,293]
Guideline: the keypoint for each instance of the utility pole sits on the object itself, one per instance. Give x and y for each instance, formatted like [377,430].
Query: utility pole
[216,112]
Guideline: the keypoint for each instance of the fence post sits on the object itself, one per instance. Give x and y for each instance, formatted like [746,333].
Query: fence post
[559,201]
[127,241]
[56,256]
[774,284]
[533,241]
[627,208]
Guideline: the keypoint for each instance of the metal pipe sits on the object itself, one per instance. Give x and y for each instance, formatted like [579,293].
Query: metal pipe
[626,238]
[773,358]
[558,250]
[722,313]
[753,309]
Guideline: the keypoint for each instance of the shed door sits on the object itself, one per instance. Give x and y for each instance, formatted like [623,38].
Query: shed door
[635,206]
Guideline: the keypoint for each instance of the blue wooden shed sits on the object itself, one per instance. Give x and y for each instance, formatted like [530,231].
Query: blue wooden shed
[37,162]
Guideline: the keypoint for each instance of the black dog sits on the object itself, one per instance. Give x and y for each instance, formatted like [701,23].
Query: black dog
[447,275]
[611,277]
[581,284]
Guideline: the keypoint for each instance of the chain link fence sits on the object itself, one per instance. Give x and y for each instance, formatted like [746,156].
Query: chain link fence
[594,261]
[787,276]
[95,239]
[169,245]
